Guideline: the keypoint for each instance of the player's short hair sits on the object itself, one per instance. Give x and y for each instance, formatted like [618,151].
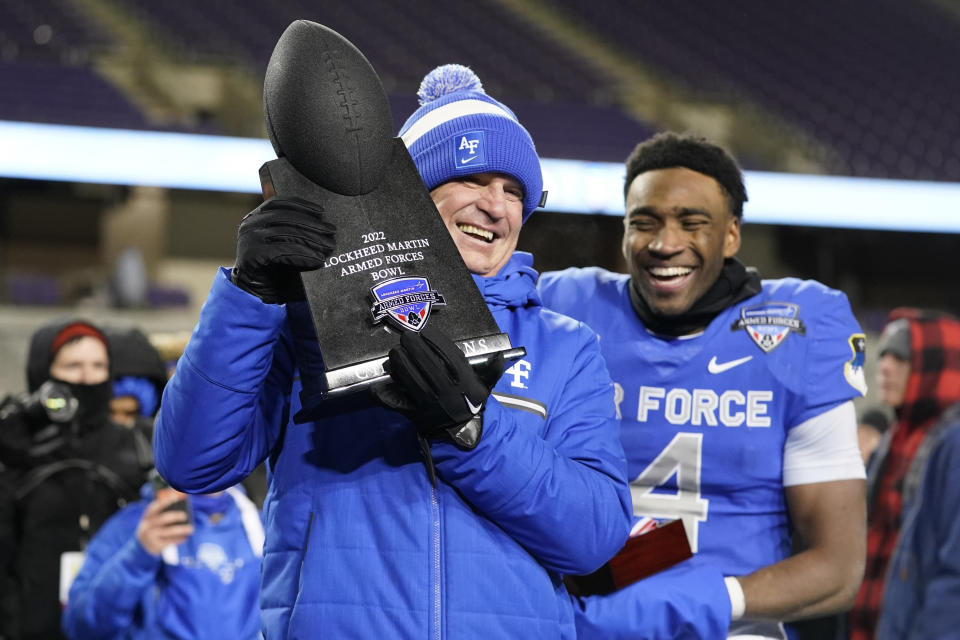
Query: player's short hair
[669,150]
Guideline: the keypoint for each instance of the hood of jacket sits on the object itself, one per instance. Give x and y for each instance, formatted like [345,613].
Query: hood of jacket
[132,355]
[934,381]
[514,286]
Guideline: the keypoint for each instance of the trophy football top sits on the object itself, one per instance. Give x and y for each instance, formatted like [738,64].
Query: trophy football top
[326,110]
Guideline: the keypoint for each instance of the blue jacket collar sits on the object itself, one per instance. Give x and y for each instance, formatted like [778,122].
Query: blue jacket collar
[515,285]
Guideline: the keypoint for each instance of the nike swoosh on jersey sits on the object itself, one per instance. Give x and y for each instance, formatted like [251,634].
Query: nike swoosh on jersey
[474,409]
[719,367]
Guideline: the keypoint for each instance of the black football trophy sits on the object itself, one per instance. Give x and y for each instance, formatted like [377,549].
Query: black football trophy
[395,267]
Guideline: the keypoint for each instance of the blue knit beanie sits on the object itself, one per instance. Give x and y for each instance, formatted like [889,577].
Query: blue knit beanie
[141,389]
[459,130]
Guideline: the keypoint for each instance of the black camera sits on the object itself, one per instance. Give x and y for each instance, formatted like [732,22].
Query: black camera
[34,424]
[52,402]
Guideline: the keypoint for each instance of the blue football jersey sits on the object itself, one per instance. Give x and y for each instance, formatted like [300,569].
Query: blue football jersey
[705,417]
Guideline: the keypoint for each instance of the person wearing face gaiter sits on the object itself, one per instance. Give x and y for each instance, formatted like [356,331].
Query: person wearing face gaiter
[65,468]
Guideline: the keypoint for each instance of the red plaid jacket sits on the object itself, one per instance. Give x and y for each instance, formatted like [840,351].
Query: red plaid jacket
[933,385]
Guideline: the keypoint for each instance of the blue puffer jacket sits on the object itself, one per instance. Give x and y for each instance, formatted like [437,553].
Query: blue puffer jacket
[920,600]
[358,542]
[204,588]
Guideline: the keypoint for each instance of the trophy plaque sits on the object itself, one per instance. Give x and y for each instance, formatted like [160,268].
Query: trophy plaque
[642,556]
[395,267]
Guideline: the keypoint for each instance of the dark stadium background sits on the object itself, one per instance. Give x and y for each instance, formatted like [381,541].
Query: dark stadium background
[864,89]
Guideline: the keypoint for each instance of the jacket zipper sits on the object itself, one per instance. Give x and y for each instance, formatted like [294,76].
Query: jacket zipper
[435,507]
[303,557]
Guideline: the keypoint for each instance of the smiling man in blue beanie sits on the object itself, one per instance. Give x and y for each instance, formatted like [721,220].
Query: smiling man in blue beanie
[359,541]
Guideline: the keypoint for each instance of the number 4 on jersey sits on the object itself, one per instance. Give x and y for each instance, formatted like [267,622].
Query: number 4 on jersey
[681,458]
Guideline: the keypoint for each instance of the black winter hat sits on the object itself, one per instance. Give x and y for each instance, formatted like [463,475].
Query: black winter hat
[41,352]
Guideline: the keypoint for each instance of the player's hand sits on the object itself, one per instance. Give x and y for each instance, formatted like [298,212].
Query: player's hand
[437,387]
[278,240]
[158,528]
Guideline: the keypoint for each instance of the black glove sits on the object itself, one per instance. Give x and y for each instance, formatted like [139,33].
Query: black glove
[278,240]
[437,387]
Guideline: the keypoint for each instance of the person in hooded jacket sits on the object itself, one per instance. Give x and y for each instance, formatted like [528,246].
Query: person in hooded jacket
[139,376]
[154,572]
[69,468]
[912,574]
[360,541]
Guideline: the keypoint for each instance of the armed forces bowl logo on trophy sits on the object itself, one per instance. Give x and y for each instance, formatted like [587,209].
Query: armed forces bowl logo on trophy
[395,267]
[406,301]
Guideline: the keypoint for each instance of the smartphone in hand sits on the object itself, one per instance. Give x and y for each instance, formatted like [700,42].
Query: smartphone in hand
[162,489]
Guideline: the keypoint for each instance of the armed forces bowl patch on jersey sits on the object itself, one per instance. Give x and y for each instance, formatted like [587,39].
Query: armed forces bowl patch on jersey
[769,324]
[853,371]
[404,301]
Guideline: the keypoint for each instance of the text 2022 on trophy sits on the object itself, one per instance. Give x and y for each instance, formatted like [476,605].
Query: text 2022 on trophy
[395,267]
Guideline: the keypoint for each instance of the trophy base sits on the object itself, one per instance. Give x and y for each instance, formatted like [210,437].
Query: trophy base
[357,376]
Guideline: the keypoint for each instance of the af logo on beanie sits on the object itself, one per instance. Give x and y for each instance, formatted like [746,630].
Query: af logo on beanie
[470,151]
